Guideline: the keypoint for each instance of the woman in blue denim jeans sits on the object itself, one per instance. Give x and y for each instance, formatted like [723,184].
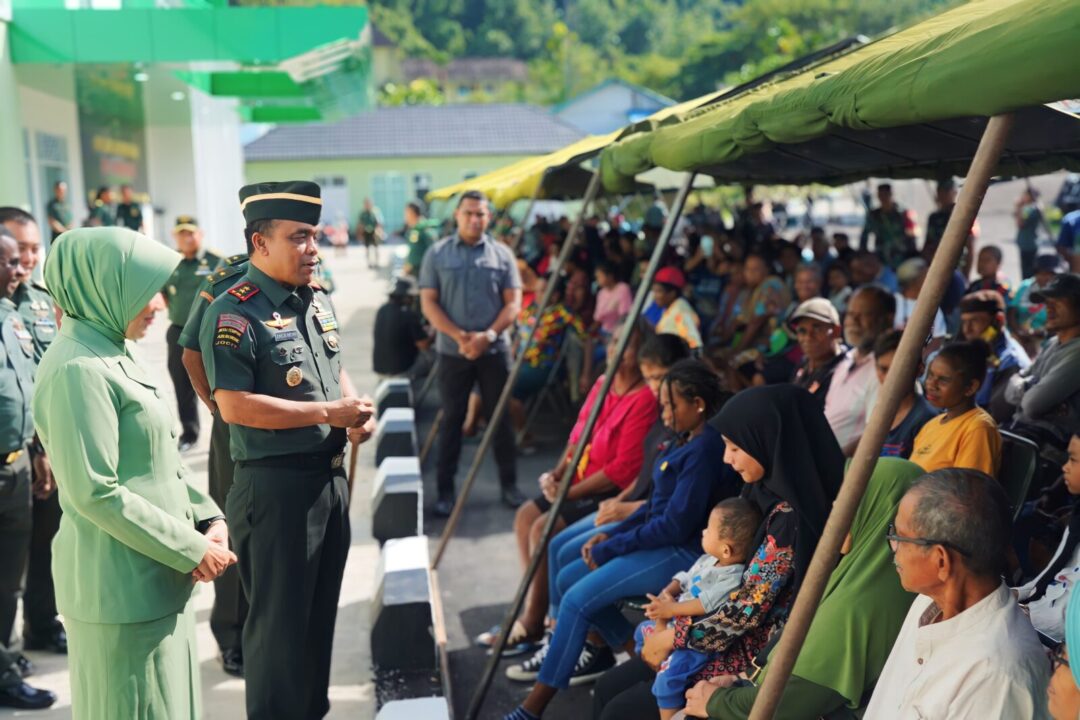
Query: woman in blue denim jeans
[641,553]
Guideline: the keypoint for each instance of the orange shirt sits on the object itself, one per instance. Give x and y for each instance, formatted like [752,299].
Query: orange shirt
[969,441]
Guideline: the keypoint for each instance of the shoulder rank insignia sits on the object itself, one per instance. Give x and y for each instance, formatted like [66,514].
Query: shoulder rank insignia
[206,296]
[244,291]
[236,259]
[223,274]
[278,323]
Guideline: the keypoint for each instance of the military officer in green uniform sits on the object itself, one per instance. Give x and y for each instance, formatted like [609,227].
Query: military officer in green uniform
[180,291]
[42,629]
[421,233]
[272,352]
[16,435]
[230,604]
[128,212]
[57,210]
[101,210]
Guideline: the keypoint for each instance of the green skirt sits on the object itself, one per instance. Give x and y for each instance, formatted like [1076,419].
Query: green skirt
[135,671]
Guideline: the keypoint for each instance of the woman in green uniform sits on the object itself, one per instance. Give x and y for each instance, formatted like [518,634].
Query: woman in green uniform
[134,536]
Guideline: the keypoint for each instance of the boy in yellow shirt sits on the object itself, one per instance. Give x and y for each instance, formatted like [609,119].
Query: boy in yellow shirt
[964,436]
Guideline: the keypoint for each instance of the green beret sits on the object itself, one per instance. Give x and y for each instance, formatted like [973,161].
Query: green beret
[297,200]
[186,222]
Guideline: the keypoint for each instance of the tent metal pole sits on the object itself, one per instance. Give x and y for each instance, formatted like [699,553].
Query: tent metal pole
[897,385]
[504,397]
[644,290]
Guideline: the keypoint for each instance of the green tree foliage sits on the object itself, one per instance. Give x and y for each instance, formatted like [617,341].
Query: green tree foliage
[681,48]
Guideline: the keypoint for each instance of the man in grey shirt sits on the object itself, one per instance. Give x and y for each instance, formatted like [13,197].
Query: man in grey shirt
[470,292]
[1047,394]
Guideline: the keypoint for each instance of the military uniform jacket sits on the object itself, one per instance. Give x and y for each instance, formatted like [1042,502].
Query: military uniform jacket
[183,285]
[16,379]
[218,282]
[267,339]
[421,237]
[38,314]
[129,215]
[128,541]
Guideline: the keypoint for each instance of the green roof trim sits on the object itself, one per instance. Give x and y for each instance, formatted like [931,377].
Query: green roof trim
[253,84]
[280,114]
[256,36]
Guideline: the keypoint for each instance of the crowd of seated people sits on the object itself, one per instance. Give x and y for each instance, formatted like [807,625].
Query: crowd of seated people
[753,372]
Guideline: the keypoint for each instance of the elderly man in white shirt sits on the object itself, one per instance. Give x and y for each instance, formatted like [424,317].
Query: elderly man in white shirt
[854,385]
[966,650]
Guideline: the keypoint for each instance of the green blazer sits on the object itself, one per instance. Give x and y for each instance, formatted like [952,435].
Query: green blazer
[127,542]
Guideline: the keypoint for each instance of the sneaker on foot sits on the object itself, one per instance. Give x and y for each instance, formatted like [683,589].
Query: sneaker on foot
[530,669]
[592,663]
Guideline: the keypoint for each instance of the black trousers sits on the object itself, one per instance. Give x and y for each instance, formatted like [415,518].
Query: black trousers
[456,378]
[187,402]
[625,693]
[290,528]
[39,599]
[16,523]
[230,603]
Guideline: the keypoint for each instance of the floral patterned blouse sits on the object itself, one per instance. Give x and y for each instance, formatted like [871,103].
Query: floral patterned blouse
[554,323]
[740,629]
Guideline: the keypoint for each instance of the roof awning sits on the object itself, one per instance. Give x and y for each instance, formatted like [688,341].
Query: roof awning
[912,104]
[248,35]
[521,180]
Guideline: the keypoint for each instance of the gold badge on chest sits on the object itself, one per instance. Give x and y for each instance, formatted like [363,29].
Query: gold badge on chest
[294,376]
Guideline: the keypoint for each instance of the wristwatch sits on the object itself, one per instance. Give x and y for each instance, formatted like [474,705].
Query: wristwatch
[491,335]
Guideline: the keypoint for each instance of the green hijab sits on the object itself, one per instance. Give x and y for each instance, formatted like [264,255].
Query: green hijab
[864,605]
[105,276]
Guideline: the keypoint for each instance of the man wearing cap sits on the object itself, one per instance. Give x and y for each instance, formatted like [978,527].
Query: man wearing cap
[42,628]
[470,292]
[230,603]
[179,293]
[272,353]
[16,436]
[421,233]
[399,332]
[1048,392]
[816,325]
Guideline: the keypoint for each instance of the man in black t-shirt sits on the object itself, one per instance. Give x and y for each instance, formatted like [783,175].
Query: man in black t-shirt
[399,332]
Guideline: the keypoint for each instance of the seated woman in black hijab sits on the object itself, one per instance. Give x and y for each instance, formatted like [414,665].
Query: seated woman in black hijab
[779,442]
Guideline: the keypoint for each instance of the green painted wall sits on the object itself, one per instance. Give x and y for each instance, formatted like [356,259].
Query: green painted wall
[358,173]
[13,189]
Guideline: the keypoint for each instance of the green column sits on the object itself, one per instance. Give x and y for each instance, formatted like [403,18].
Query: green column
[13,189]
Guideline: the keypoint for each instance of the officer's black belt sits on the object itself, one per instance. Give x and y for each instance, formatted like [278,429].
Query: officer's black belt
[302,461]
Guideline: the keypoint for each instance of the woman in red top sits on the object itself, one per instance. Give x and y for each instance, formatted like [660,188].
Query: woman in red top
[610,463]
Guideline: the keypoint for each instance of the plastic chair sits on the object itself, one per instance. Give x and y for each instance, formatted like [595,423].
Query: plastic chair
[1019,460]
